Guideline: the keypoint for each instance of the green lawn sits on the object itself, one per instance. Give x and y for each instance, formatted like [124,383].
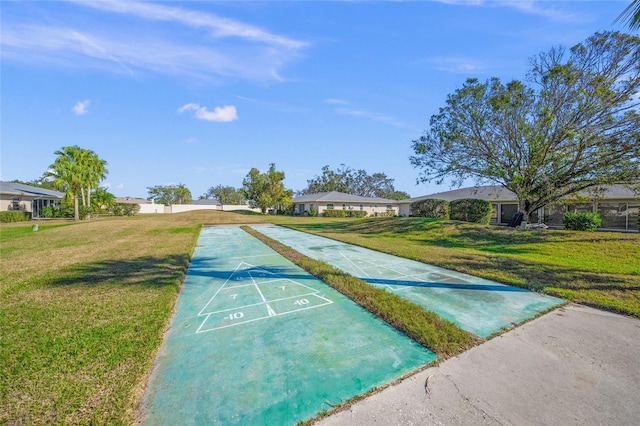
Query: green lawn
[601,269]
[83,306]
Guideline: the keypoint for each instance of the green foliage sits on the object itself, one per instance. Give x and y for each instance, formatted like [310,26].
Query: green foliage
[575,126]
[583,221]
[471,210]
[313,213]
[433,208]
[48,212]
[356,213]
[355,182]
[74,171]
[334,213]
[170,194]
[14,216]
[124,209]
[266,190]
[225,194]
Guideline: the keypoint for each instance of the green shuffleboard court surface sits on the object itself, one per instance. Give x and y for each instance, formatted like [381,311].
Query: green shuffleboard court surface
[476,305]
[256,340]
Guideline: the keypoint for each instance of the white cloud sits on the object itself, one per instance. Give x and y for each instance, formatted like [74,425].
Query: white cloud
[222,114]
[192,49]
[334,101]
[546,9]
[371,116]
[457,65]
[80,108]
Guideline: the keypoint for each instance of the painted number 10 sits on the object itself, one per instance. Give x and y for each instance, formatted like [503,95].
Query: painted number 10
[235,315]
[301,302]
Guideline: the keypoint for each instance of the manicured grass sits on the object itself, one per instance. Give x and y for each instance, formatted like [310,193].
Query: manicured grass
[601,269]
[83,308]
[441,336]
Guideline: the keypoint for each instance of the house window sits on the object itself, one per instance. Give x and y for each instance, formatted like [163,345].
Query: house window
[361,207]
[329,206]
[344,207]
[389,207]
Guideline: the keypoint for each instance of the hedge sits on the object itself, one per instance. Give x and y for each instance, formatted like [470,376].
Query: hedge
[582,221]
[471,210]
[334,213]
[14,216]
[431,208]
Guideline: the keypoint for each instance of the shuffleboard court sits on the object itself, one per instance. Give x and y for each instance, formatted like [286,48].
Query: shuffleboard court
[479,306]
[257,340]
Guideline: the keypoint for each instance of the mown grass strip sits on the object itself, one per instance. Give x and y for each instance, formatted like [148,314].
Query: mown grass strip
[441,336]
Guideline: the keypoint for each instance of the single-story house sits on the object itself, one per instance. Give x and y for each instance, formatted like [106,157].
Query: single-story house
[27,198]
[618,205]
[321,201]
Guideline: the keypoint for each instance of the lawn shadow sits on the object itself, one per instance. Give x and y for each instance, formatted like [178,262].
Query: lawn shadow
[149,271]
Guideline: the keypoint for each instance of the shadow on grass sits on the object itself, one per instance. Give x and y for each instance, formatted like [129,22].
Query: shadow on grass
[537,277]
[148,271]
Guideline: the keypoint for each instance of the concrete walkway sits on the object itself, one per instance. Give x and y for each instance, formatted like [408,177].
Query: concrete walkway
[573,366]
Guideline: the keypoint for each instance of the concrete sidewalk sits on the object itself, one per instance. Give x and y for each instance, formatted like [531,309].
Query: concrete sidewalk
[573,366]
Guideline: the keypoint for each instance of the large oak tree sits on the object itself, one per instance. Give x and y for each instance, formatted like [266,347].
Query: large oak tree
[574,126]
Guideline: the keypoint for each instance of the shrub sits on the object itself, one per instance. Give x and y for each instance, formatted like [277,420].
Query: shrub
[334,213]
[432,208]
[48,212]
[313,213]
[390,213]
[582,221]
[124,209]
[356,213]
[471,210]
[14,216]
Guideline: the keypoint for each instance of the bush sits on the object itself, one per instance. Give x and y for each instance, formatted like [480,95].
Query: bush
[48,212]
[432,208]
[313,212]
[14,216]
[356,213]
[124,209]
[471,210]
[582,221]
[334,213]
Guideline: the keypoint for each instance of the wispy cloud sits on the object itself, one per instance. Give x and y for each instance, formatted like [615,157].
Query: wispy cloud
[370,115]
[336,101]
[545,9]
[195,49]
[222,114]
[219,26]
[80,108]
[457,65]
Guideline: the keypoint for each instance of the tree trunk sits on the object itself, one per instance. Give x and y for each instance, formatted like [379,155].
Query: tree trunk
[84,202]
[76,209]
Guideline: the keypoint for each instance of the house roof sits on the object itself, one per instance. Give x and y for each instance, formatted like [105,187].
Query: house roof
[131,200]
[19,189]
[499,194]
[340,197]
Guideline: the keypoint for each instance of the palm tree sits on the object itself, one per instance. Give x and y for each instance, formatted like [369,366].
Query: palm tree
[96,171]
[67,173]
[631,15]
[74,170]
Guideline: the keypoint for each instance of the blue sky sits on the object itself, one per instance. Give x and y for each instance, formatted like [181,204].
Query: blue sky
[200,92]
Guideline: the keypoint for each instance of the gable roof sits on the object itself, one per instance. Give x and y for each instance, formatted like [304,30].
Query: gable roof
[499,194]
[19,189]
[340,197]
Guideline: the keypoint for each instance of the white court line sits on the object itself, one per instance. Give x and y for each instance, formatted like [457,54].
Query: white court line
[329,302]
[257,288]
[356,267]
[297,296]
[221,287]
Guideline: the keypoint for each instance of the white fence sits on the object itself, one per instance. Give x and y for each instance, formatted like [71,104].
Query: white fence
[180,208]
